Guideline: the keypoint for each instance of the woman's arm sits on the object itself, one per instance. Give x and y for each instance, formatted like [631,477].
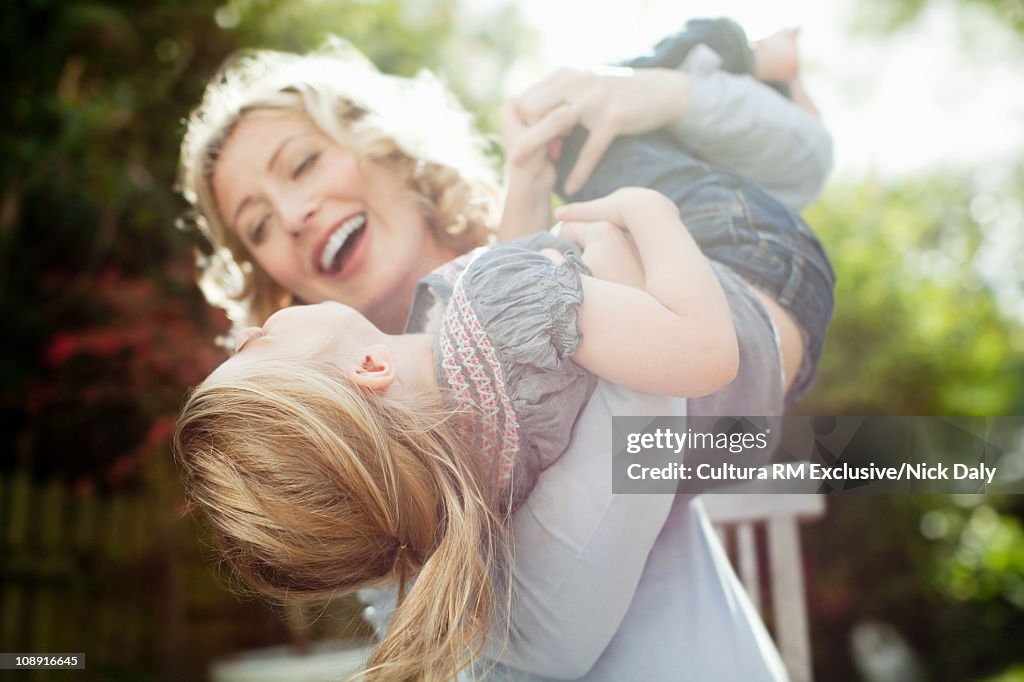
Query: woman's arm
[740,124]
[731,120]
[675,336]
[580,549]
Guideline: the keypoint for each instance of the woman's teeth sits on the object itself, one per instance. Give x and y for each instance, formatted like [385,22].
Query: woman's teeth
[334,245]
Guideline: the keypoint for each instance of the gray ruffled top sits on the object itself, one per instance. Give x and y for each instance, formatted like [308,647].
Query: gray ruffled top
[504,347]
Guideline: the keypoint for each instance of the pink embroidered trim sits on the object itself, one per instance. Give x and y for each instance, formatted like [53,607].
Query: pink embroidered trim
[468,358]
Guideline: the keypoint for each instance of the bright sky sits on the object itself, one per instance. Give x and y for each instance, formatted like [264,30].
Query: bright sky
[916,100]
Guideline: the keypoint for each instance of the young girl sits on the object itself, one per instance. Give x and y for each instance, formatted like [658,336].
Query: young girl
[331,456]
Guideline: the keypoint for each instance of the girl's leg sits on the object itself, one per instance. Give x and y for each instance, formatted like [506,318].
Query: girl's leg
[791,341]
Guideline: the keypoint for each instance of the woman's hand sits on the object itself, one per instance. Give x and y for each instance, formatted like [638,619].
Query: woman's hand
[609,102]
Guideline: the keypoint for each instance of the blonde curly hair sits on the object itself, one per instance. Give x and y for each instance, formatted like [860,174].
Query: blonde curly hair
[415,124]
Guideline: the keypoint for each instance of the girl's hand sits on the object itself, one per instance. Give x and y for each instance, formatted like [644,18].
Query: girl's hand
[605,229]
[537,162]
[608,251]
[678,328]
[528,183]
[609,102]
[636,209]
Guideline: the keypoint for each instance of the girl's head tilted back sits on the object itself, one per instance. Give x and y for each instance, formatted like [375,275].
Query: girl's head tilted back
[317,483]
[411,132]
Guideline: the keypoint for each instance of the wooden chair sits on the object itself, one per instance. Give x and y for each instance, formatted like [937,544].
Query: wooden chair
[738,515]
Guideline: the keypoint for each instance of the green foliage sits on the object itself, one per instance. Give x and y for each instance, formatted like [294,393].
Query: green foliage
[926,322]
[944,570]
[983,552]
[891,15]
[975,570]
[1013,674]
[399,36]
[917,328]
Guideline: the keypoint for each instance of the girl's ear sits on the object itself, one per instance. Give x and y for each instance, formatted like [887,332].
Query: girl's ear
[376,368]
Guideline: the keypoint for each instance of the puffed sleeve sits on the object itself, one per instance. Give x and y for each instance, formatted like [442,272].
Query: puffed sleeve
[526,305]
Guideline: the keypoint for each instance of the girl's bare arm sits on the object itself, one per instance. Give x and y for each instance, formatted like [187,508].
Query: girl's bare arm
[675,336]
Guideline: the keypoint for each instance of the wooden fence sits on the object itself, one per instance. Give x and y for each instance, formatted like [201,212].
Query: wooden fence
[125,580]
[84,573]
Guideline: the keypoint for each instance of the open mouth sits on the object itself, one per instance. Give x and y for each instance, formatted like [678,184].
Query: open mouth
[342,244]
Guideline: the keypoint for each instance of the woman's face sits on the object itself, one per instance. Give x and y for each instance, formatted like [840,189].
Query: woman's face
[320,223]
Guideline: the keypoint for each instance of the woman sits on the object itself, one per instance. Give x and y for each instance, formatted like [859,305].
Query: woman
[362,242]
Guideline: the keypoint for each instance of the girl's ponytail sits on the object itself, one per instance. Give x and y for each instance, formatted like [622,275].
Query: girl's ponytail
[442,622]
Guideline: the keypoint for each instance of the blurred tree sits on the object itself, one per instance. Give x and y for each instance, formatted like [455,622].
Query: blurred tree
[928,321]
[102,330]
[918,299]
[890,15]
[929,311]
[469,52]
[944,570]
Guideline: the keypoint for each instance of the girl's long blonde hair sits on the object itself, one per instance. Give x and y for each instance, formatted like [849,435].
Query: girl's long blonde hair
[316,487]
[415,124]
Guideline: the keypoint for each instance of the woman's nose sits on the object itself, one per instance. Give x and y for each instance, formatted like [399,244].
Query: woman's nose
[299,216]
[297,223]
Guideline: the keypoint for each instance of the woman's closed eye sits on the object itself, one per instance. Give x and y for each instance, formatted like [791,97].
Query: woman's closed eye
[306,164]
[258,232]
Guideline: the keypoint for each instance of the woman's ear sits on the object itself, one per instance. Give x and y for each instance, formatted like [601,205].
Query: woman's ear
[375,369]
